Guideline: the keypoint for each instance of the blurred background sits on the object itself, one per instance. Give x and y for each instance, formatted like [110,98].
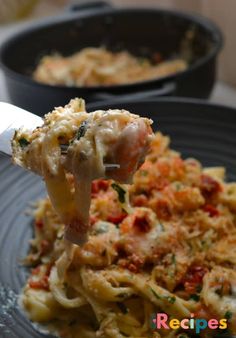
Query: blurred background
[15,13]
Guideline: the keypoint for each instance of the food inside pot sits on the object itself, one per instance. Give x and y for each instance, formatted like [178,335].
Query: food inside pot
[99,66]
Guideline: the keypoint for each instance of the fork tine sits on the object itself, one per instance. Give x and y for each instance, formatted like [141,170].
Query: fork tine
[64,148]
[110,166]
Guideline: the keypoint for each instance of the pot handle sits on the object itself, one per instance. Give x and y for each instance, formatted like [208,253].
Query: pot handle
[168,88]
[88,5]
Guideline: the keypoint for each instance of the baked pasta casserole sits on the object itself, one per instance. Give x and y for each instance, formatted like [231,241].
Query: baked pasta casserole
[101,67]
[172,250]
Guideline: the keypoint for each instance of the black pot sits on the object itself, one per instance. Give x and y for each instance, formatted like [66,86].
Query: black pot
[140,31]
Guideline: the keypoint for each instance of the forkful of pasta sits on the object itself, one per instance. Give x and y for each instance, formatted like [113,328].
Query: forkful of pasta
[70,148]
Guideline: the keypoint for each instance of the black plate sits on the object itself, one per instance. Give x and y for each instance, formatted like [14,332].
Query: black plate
[199,130]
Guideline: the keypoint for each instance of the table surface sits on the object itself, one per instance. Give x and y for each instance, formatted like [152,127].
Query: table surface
[222,93]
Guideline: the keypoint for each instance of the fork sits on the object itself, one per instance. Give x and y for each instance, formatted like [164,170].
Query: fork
[13,118]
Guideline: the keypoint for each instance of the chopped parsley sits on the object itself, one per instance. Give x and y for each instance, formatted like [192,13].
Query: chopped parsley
[228,315]
[178,186]
[120,191]
[173,259]
[155,294]
[195,297]
[143,172]
[171,299]
[82,130]
[161,226]
[198,288]
[122,307]
[23,142]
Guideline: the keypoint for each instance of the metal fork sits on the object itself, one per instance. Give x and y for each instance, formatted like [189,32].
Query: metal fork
[13,118]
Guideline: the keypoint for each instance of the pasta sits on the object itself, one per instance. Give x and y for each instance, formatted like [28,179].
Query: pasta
[100,67]
[72,148]
[172,251]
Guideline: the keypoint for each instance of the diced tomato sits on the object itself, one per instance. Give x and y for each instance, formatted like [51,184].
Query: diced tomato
[39,224]
[116,219]
[146,165]
[178,166]
[45,245]
[209,186]
[140,200]
[213,211]
[163,210]
[163,168]
[35,271]
[93,219]
[40,284]
[138,224]
[98,185]
[194,278]
[141,224]
[48,270]
[43,282]
[159,184]
[132,263]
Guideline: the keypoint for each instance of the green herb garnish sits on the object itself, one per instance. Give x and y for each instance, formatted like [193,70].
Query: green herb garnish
[143,172]
[161,226]
[171,299]
[198,288]
[195,297]
[155,294]
[173,259]
[178,186]
[23,142]
[122,307]
[82,130]
[120,191]
[228,315]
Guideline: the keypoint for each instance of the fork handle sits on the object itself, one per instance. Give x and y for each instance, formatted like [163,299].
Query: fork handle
[11,119]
